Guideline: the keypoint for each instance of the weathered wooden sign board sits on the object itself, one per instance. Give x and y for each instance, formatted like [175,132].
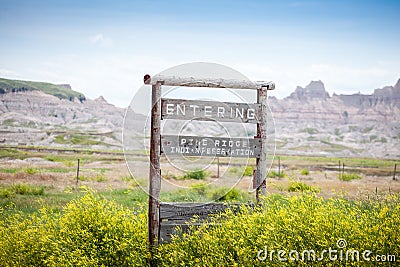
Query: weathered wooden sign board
[181,109]
[210,146]
[173,215]
[169,215]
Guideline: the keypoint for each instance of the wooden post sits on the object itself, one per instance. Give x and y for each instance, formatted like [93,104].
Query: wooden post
[77,172]
[394,172]
[343,168]
[261,163]
[155,170]
[279,167]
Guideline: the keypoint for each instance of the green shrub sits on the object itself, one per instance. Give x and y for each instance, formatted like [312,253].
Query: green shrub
[6,193]
[296,186]
[27,189]
[91,231]
[234,170]
[197,175]
[31,170]
[226,195]
[305,172]
[274,174]
[248,171]
[100,178]
[201,189]
[349,176]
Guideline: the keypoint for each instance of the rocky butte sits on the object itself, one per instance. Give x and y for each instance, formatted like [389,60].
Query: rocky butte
[308,122]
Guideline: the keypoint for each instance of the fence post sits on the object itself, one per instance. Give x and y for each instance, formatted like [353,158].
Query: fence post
[155,170]
[394,172]
[279,167]
[261,163]
[77,172]
[343,168]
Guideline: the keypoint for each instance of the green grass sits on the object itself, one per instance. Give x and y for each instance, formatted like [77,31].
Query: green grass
[30,199]
[304,172]
[196,175]
[76,139]
[98,178]
[58,170]
[27,189]
[349,176]
[31,170]
[205,193]
[8,193]
[310,130]
[56,90]
[9,122]
[297,186]
[8,170]
[276,174]
[126,197]
[248,171]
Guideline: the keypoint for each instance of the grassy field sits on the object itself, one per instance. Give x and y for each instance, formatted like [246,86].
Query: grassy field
[50,218]
[54,170]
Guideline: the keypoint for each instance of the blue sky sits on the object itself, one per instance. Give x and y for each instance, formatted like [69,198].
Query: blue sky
[105,47]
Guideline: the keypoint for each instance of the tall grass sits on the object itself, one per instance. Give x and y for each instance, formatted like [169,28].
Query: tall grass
[21,189]
[349,176]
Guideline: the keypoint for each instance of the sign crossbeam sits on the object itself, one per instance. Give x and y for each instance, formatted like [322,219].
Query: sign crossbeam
[213,83]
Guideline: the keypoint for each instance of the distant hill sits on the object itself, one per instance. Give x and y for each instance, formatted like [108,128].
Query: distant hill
[308,122]
[62,91]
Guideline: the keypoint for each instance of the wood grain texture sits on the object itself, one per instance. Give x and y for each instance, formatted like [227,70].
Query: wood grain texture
[214,83]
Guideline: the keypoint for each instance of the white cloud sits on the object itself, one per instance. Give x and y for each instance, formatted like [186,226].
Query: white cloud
[99,39]
[9,74]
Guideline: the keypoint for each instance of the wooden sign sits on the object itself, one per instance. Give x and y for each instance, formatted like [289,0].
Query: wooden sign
[202,146]
[181,109]
[173,215]
[210,146]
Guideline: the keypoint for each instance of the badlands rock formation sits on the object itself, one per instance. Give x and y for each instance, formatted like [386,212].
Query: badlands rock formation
[308,122]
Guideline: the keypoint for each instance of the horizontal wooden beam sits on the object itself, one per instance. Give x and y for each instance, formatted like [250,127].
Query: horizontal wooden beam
[213,83]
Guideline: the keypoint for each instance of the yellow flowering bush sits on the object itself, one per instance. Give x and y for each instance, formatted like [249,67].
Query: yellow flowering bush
[292,224]
[91,231]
